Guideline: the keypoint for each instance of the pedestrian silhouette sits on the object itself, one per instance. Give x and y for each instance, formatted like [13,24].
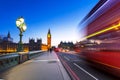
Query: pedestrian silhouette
[50,50]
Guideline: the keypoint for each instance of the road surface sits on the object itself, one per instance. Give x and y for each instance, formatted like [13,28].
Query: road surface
[81,69]
[48,67]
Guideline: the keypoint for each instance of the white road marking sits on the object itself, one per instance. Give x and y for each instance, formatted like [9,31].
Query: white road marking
[85,71]
[66,58]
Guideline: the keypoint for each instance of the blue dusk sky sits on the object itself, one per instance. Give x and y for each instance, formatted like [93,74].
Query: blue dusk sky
[61,16]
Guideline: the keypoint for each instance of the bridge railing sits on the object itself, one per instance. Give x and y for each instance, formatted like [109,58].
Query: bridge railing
[8,60]
[12,59]
[33,54]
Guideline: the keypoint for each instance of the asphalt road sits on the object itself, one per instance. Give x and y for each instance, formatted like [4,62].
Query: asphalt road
[81,69]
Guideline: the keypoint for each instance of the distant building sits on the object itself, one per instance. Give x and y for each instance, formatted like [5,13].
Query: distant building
[35,45]
[44,47]
[49,39]
[38,45]
[26,47]
[6,38]
[48,45]
[66,45]
[8,46]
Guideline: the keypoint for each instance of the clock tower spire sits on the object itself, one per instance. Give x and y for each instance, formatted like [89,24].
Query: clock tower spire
[49,39]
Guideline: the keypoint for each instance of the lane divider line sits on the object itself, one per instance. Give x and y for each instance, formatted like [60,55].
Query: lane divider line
[66,58]
[85,71]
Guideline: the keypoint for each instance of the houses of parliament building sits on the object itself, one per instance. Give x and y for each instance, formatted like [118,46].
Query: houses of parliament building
[8,46]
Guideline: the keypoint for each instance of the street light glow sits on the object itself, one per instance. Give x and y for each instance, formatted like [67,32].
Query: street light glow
[18,23]
[22,27]
[21,20]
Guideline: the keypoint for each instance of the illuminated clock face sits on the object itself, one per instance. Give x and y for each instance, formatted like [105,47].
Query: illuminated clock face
[48,35]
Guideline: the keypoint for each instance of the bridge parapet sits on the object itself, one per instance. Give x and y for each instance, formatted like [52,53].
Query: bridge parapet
[9,60]
[33,54]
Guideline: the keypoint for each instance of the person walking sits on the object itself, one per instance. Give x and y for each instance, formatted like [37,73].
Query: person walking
[50,50]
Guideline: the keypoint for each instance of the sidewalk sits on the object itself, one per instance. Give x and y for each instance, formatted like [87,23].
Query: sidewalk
[45,67]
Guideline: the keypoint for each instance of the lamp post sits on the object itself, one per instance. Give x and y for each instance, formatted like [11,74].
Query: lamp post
[22,27]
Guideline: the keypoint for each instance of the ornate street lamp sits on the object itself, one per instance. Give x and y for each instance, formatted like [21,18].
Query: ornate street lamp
[22,27]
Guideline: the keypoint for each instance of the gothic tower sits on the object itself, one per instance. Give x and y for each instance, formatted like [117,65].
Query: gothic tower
[49,39]
[8,36]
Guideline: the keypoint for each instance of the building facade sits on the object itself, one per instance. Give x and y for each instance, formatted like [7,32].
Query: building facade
[8,46]
[35,45]
[66,45]
[44,47]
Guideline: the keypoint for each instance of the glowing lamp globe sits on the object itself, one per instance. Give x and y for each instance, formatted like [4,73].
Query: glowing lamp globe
[24,27]
[18,23]
[21,20]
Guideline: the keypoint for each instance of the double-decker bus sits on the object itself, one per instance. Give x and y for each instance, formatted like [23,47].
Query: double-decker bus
[102,38]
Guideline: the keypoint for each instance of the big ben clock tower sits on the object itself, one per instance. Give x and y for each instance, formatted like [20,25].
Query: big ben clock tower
[49,39]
